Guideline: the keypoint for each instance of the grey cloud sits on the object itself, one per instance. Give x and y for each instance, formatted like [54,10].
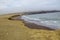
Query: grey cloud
[7,6]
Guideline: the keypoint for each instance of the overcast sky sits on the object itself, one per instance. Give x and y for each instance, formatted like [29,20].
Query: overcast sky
[7,6]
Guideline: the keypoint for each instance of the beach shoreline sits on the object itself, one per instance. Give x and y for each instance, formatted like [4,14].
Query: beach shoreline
[35,26]
[35,23]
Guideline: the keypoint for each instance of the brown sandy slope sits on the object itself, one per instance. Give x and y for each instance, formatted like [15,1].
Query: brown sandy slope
[15,30]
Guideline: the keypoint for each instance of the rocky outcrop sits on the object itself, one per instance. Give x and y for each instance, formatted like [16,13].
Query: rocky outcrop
[13,17]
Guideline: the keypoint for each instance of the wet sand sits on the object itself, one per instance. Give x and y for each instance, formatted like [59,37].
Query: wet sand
[35,26]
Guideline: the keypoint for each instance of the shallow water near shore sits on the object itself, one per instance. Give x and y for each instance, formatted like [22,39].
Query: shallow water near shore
[51,20]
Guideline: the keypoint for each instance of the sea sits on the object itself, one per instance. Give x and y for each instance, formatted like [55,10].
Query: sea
[51,20]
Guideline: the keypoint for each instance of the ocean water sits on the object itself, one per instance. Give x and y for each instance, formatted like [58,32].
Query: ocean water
[51,20]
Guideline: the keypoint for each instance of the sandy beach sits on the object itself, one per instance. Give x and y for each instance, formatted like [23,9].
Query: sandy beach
[16,30]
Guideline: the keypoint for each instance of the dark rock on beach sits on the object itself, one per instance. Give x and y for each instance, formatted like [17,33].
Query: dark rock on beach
[13,17]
